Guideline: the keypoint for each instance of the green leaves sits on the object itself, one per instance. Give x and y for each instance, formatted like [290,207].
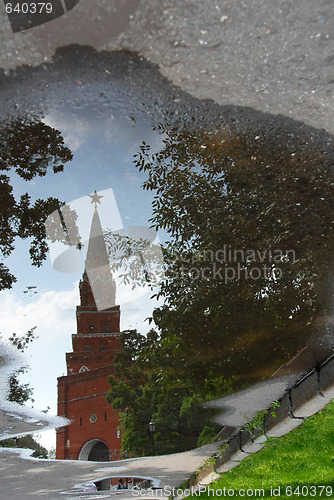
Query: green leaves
[148,384]
[139,261]
[27,149]
[31,148]
[249,244]
[20,393]
[22,342]
[26,442]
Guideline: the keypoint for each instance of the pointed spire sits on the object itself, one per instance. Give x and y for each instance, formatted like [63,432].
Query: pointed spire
[96,254]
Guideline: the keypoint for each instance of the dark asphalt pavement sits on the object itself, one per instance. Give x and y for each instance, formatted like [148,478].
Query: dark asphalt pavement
[275,56]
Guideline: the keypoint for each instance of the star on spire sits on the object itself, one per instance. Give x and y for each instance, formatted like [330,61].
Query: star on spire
[95,198]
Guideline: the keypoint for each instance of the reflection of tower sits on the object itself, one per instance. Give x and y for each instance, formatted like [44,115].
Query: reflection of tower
[97,271]
[93,433]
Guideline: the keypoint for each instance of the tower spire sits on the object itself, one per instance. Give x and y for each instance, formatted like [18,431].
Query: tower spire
[97,268]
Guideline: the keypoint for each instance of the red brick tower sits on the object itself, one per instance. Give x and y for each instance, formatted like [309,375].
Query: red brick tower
[93,433]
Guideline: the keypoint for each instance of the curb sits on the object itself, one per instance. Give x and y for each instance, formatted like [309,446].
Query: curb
[310,394]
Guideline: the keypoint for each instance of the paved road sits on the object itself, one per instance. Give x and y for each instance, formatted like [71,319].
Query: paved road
[273,55]
[47,479]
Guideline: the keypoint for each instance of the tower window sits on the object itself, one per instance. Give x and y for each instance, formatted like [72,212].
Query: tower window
[106,327]
[80,420]
[91,328]
[105,416]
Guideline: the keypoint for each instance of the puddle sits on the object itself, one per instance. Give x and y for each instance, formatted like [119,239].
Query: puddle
[117,484]
[246,199]
[252,224]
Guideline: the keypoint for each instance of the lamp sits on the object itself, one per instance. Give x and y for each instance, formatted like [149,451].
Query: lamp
[151,427]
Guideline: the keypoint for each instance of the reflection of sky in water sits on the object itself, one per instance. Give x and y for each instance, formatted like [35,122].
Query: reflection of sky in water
[103,146]
[260,197]
[130,270]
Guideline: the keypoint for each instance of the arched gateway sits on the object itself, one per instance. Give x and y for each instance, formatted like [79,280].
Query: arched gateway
[95,450]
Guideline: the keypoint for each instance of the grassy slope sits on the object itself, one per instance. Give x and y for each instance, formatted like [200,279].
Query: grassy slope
[304,457]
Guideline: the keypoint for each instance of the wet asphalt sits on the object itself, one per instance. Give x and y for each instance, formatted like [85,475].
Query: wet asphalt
[272,56]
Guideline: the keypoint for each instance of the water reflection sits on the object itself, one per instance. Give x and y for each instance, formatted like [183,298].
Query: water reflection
[249,218]
[251,225]
[100,144]
[28,149]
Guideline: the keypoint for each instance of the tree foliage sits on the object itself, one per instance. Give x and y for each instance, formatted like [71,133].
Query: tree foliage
[18,392]
[250,237]
[26,442]
[21,394]
[250,227]
[139,261]
[144,388]
[28,149]
[22,342]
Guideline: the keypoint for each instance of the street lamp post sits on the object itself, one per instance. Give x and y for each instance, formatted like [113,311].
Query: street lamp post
[151,427]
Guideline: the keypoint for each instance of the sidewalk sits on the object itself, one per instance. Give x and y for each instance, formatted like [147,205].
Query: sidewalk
[22,477]
[34,478]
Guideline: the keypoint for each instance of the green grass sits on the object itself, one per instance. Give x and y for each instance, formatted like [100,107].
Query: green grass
[298,465]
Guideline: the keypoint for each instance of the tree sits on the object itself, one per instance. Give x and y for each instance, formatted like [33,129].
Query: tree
[27,149]
[139,261]
[250,236]
[21,393]
[144,388]
[26,442]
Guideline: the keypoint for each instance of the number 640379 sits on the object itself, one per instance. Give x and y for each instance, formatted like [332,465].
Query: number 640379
[29,8]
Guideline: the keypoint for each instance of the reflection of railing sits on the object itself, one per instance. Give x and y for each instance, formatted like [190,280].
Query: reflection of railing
[131,483]
[307,396]
[144,484]
[140,484]
[137,483]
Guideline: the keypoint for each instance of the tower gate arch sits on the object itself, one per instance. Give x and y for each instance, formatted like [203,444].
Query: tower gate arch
[95,450]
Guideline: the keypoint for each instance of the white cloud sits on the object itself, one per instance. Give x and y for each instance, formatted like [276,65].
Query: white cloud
[52,312]
[54,315]
[73,140]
